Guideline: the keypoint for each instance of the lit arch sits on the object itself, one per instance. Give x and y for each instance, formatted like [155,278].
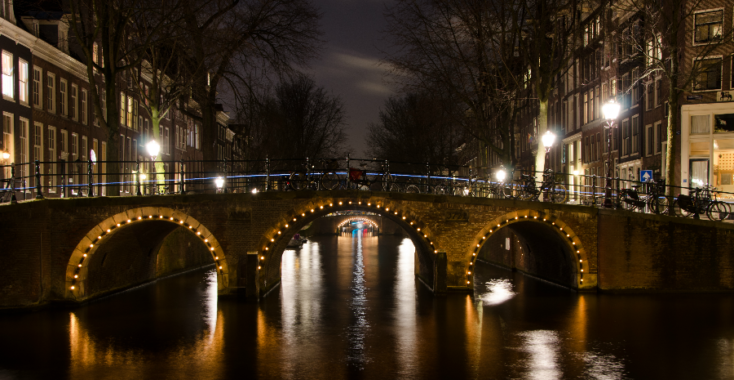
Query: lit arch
[563,230]
[280,234]
[77,272]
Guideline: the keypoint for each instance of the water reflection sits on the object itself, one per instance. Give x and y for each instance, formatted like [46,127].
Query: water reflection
[542,347]
[349,308]
[405,303]
[497,291]
[357,332]
[101,343]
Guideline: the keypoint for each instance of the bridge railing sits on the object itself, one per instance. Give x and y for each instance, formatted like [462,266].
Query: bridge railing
[144,178]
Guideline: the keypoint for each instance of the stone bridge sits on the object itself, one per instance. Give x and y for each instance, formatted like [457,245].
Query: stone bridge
[73,250]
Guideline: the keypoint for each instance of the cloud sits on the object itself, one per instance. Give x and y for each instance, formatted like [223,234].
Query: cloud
[374,87]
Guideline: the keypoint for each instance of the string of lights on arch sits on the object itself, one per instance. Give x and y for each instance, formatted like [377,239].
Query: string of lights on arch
[401,215]
[566,232]
[88,250]
[357,218]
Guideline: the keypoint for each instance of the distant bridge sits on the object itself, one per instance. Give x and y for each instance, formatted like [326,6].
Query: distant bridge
[72,250]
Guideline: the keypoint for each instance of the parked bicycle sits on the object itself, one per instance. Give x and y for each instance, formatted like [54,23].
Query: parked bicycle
[703,201]
[382,181]
[654,201]
[527,190]
[307,178]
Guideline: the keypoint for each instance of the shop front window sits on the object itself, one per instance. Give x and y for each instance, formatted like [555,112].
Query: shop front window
[699,169]
[723,178]
[724,123]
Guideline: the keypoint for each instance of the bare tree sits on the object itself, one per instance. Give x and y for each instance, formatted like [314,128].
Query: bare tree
[660,36]
[108,26]
[298,120]
[467,50]
[228,38]
[415,128]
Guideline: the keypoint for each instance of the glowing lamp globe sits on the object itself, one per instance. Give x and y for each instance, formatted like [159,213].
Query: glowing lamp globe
[153,149]
[610,110]
[219,181]
[501,175]
[548,139]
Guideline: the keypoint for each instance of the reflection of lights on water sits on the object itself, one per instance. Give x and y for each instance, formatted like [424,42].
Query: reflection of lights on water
[498,291]
[600,366]
[358,331]
[726,358]
[405,310]
[543,346]
[210,302]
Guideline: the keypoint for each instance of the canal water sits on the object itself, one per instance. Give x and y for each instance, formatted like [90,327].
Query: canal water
[349,307]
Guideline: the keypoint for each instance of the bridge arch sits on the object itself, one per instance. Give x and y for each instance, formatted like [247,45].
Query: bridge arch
[561,231]
[273,242]
[78,268]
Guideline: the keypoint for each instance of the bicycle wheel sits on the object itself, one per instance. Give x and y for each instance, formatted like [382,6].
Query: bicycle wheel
[298,181]
[440,190]
[412,189]
[388,183]
[526,191]
[718,211]
[658,204]
[507,190]
[626,201]
[680,211]
[558,193]
[329,181]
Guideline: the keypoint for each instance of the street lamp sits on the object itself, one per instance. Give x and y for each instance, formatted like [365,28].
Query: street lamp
[219,181]
[6,155]
[548,139]
[501,175]
[153,148]
[610,111]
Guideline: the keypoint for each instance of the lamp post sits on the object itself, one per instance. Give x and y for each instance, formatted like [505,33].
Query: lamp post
[153,148]
[548,139]
[219,181]
[610,111]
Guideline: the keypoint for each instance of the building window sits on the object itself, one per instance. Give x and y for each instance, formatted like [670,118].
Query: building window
[585,110]
[51,170]
[709,74]
[8,140]
[51,92]
[635,134]
[122,108]
[23,81]
[37,87]
[626,137]
[166,142]
[136,125]
[84,110]
[24,147]
[708,26]
[38,143]
[650,96]
[658,92]
[74,103]
[95,52]
[63,91]
[8,80]
[130,118]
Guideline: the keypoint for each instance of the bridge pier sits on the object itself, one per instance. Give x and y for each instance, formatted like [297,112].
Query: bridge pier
[440,266]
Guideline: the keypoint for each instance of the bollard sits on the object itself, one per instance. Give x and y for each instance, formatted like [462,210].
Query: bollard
[348,172]
[39,195]
[63,178]
[183,176]
[90,189]
[11,185]
[267,173]
[137,178]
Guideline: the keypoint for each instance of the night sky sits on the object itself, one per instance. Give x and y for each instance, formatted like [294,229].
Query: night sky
[349,62]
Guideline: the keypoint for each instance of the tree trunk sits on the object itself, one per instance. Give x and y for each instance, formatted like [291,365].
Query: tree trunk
[540,153]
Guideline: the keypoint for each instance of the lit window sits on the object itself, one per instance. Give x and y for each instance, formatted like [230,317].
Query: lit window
[708,26]
[23,82]
[7,74]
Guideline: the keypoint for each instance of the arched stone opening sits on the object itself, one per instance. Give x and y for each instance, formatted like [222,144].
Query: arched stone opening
[533,242]
[273,243]
[121,251]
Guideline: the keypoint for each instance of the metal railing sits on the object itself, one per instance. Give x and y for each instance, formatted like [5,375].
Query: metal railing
[144,178]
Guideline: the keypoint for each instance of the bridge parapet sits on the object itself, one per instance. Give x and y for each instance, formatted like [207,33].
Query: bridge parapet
[45,241]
